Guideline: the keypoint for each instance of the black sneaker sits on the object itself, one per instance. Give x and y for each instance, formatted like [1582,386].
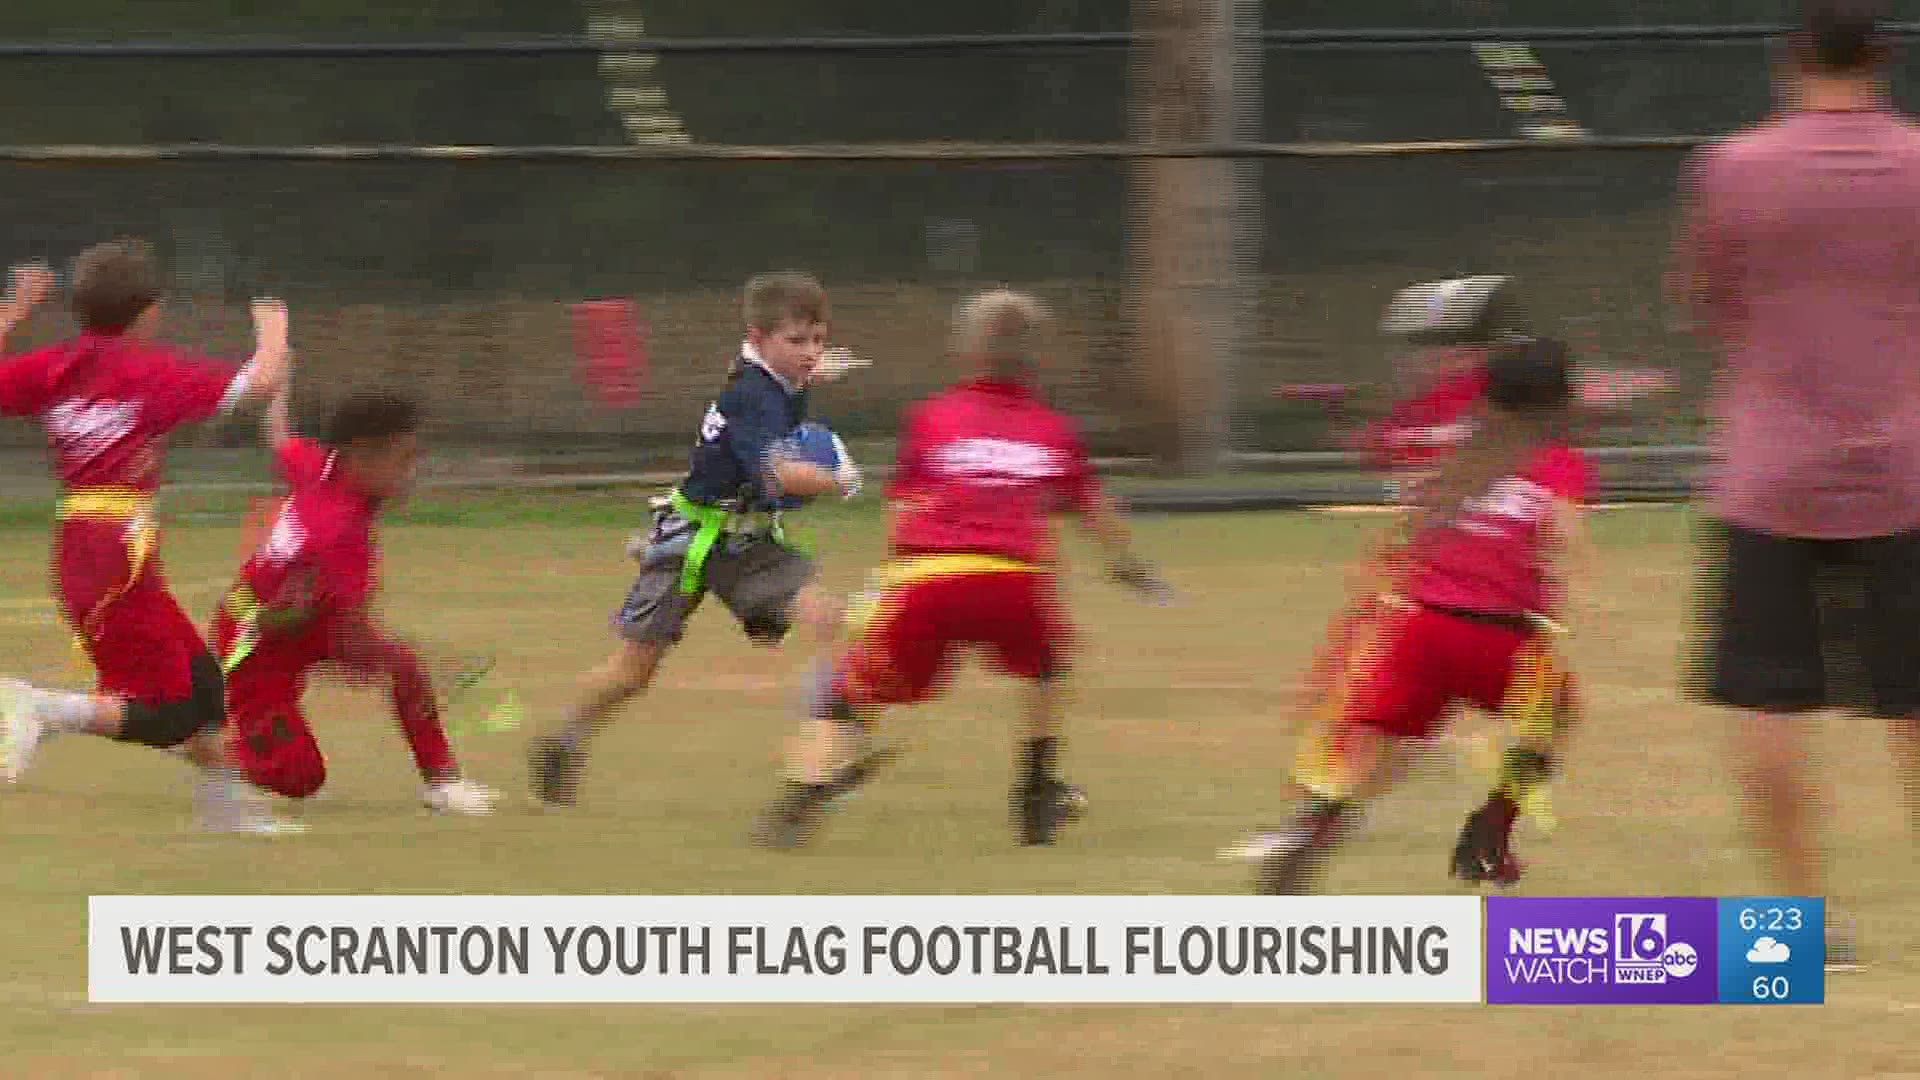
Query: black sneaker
[861,770]
[1294,860]
[1040,809]
[794,817]
[1483,854]
[553,771]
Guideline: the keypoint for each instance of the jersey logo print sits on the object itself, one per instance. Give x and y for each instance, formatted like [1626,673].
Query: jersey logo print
[1512,499]
[712,424]
[289,537]
[1435,435]
[999,462]
[84,430]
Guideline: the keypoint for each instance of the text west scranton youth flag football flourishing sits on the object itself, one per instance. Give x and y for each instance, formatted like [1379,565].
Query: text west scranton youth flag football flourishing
[955,950]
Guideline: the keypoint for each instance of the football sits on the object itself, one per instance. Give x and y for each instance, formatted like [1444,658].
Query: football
[813,443]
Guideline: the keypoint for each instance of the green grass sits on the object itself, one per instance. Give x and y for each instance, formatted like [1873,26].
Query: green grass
[1180,731]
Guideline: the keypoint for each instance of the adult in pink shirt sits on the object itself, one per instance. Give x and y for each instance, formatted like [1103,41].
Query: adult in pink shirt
[1800,250]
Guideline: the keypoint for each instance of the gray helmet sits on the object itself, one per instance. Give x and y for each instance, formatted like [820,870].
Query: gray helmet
[1480,310]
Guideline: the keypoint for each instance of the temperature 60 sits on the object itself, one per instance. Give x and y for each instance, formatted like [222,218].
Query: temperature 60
[1774,988]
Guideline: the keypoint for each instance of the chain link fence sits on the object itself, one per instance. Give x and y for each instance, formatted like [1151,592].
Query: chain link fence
[458,276]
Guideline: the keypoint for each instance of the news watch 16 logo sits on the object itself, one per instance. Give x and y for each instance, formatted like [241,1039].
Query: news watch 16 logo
[1643,954]
[1625,951]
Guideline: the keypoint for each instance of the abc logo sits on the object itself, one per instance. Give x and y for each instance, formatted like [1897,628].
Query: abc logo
[1680,960]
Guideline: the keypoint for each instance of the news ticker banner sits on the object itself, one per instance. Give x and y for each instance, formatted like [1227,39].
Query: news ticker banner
[953,950]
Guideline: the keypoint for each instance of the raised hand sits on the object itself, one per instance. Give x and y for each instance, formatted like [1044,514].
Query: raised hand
[30,285]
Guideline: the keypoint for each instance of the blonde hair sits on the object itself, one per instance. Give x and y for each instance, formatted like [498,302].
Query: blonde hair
[1003,330]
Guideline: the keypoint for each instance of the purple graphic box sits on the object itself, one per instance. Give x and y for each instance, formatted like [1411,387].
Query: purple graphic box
[1602,950]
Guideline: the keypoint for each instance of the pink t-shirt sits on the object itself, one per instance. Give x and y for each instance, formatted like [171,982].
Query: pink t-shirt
[1807,232]
[1493,559]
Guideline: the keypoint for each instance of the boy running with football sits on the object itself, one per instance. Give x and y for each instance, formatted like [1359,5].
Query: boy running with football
[304,599]
[108,400]
[1491,543]
[721,529]
[981,468]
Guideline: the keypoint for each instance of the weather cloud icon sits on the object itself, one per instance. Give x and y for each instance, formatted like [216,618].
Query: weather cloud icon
[1768,951]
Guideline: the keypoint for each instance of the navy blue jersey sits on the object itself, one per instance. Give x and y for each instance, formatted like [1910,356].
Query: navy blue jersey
[729,460]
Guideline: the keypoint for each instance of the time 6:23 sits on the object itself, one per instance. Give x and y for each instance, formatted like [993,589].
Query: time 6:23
[1771,919]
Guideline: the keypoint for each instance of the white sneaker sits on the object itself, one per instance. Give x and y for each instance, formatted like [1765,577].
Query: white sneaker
[226,803]
[23,727]
[461,797]
[1256,846]
[261,825]
[1843,948]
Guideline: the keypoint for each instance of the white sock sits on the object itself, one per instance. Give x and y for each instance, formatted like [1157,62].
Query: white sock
[65,712]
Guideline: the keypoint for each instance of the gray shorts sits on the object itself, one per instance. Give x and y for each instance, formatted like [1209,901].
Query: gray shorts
[756,578]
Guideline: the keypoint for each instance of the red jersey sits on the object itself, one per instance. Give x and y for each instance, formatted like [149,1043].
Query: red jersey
[1425,428]
[108,403]
[301,462]
[321,552]
[1493,559]
[981,468]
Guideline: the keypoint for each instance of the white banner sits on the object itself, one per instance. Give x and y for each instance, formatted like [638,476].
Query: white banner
[783,949]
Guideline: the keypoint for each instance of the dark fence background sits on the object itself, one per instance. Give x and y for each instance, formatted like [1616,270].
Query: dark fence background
[456,275]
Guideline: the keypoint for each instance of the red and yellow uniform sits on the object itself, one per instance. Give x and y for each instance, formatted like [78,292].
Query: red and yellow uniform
[982,467]
[108,404]
[321,561]
[1466,627]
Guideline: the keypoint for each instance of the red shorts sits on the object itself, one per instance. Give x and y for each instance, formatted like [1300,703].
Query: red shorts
[1429,661]
[139,639]
[272,739]
[271,736]
[907,648]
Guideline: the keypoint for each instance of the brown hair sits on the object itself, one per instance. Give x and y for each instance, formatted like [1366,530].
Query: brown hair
[1003,330]
[113,284]
[1841,35]
[786,296]
[372,416]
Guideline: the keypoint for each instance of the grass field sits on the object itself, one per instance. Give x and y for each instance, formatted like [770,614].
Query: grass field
[1179,733]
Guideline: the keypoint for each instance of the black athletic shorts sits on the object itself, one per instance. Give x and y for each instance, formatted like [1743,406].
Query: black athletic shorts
[1789,623]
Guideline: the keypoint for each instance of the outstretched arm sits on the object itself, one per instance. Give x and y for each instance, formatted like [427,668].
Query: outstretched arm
[276,424]
[267,372]
[1107,526]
